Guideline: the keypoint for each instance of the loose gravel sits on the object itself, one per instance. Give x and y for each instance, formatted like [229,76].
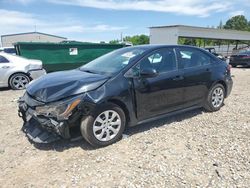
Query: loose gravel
[195,149]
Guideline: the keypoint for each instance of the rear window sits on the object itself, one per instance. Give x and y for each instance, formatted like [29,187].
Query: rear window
[246,52]
[10,50]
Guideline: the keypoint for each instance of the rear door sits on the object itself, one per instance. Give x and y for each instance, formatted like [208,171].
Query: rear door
[160,94]
[196,66]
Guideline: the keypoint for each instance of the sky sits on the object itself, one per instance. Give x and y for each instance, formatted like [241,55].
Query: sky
[105,20]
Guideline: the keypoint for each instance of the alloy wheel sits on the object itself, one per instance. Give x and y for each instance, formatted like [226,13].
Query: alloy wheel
[20,81]
[107,125]
[217,97]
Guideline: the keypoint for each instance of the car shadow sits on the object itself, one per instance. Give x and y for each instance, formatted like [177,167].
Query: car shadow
[63,145]
[163,121]
[242,67]
[5,89]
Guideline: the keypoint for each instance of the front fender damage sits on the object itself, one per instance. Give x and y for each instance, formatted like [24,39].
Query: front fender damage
[45,129]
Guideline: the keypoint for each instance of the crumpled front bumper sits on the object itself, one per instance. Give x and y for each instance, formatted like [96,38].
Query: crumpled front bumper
[37,134]
[41,129]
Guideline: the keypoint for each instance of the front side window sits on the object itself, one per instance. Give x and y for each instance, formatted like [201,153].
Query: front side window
[189,58]
[162,60]
[3,59]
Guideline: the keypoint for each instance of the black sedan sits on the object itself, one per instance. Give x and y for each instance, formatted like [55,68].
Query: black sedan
[242,59]
[126,87]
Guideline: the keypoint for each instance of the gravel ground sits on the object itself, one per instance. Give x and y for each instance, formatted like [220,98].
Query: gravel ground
[196,149]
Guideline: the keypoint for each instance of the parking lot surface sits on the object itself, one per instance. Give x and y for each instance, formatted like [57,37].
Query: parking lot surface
[195,149]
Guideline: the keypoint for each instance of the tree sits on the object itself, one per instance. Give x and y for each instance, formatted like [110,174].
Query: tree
[237,23]
[114,41]
[137,39]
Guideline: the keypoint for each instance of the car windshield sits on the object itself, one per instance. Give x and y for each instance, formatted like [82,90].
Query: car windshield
[112,62]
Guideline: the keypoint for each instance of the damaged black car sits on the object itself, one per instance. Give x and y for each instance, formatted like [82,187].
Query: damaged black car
[124,88]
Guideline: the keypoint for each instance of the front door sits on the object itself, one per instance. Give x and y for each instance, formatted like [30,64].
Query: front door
[162,93]
[4,68]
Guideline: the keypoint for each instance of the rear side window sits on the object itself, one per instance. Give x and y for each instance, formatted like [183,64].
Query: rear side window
[189,58]
[3,59]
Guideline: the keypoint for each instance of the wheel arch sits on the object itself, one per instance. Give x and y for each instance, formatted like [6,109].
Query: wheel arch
[123,106]
[222,83]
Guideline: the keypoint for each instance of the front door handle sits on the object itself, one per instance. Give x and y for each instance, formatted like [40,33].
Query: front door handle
[177,78]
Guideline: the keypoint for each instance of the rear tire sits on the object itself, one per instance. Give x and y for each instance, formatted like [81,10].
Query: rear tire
[215,98]
[18,81]
[105,126]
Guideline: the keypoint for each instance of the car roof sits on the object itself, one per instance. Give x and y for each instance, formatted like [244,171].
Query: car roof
[2,53]
[152,47]
[13,57]
[156,46]
[5,54]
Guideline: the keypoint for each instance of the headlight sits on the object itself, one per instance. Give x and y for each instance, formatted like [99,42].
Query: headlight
[61,110]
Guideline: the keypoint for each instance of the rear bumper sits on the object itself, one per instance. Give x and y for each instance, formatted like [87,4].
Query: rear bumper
[229,84]
[34,74]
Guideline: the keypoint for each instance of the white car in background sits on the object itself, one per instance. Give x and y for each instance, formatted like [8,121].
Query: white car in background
[16,72]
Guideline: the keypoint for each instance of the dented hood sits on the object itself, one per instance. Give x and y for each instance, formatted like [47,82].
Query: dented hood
[59,85]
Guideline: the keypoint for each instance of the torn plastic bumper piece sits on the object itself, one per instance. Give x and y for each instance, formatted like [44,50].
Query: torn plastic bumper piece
[42,129]
[38,134]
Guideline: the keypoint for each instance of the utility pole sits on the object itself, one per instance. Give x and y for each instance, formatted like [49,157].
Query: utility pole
[221,25]
[121,37]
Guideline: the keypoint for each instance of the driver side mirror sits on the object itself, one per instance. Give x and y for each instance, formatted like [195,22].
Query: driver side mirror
[148,73]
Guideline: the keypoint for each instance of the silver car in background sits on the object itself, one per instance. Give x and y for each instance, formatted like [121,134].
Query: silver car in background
[16,72]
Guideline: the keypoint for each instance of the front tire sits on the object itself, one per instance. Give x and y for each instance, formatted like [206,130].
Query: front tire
[105,126]
[215,98]
[18,81]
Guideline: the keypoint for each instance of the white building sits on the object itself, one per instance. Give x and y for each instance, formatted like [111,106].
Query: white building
[10,40]
[170,34]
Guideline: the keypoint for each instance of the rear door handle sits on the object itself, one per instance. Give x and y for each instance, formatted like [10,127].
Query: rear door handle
[176,78]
